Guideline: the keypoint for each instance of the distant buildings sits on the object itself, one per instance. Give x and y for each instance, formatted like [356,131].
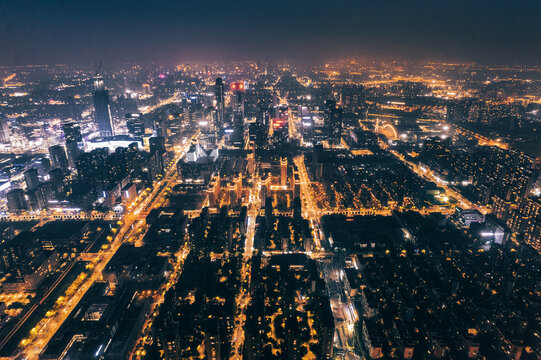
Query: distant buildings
[219,94]
[333,122]
[102,108]
[16,201]
[135,124]
[58,157]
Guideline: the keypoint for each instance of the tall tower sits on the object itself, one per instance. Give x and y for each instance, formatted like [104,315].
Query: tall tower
[58,157]
[237,101]
[102,108]
[333,122]
[31,178]
[219,91]
[74,140]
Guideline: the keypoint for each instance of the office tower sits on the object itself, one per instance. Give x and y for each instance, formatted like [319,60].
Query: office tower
[102,108]
[74,140]
[157,143]
[57,181]
[92,166]
[160,128]
[46,165]
[31,178]
[263,121]
[237,102]
[307,123]
[127,104]
[280,124]
[4,129]
[219,90]
[135,124]
[58,157]
[37,199]
[16,200]
[333,122]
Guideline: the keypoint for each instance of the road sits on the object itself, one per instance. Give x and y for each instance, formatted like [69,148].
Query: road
[138,350]
[243,298]
[130,224]
[345,315]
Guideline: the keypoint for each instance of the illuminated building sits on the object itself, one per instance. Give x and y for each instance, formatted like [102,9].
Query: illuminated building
[135,124]
[128,192]
[58,157]
[57,180]
[157,144]
[219,92]
[113,142]
[16,200]
[31,178]
[102,108]
[333,122]
[237,103]
[74,140]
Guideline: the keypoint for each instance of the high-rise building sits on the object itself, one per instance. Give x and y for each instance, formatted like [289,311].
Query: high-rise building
[157,143]
[16,200]
[31,178]
[102,108]
[333,122]
[58,157]
[219,90]
[74,140]
[135,124]
[45,165]
[57,181]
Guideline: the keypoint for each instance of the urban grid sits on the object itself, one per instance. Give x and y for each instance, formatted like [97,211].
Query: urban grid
[349,209]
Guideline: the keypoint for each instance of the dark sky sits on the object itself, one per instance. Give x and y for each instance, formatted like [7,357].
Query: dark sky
[82,31]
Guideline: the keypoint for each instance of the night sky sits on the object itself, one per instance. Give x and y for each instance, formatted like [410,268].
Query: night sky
[82,31]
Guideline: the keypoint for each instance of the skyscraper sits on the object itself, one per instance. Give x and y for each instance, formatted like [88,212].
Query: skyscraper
[74,140]
[135,124]
[102,108]
[58,157]
[219,90]
[31,178]
[237,102]
[333,122]
[16,200]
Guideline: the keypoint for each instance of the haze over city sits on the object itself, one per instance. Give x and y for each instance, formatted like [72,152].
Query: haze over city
[44,32]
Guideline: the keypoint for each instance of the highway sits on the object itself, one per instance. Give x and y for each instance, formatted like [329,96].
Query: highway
[129,225]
